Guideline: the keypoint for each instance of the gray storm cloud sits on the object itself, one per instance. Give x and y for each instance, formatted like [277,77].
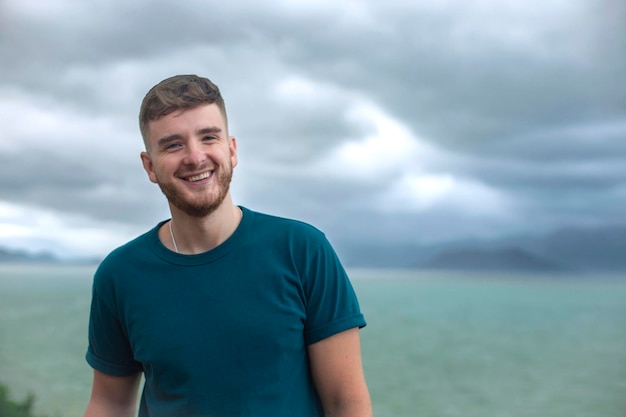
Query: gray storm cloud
[386,121]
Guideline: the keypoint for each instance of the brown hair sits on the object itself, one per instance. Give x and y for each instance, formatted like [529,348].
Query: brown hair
[175,93]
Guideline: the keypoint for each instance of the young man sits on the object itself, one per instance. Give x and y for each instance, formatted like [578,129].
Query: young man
[225,311]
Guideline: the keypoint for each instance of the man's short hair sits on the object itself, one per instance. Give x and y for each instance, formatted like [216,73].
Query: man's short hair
[175,93]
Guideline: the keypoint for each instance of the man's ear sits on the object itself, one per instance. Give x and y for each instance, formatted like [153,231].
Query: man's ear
[232,146]
[148,166]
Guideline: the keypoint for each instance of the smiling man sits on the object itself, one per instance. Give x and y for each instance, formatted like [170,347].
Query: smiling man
[225,311]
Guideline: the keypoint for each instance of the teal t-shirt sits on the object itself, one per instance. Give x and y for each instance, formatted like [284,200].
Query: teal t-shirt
[223,333]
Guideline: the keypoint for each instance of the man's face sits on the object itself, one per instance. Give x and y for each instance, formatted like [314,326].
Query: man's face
[191,157]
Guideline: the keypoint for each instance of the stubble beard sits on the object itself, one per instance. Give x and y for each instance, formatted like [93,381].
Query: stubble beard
[207,203]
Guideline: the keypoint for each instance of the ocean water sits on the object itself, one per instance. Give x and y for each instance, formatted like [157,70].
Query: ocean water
[436,344]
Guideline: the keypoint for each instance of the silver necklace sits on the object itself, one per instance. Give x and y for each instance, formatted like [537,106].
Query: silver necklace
[172,234]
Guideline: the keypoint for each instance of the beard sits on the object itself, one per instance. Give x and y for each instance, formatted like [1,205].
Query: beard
[205,204]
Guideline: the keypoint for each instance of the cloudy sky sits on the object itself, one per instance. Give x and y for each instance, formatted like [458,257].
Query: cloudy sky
[389,121]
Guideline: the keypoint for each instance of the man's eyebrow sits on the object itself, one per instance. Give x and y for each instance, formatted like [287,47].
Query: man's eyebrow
[167,139]
[208,130]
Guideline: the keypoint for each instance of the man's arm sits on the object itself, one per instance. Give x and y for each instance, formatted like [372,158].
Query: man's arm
[113,396]
[338,375]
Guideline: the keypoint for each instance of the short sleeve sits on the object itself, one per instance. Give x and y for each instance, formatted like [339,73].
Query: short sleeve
[331,303]
[109,350]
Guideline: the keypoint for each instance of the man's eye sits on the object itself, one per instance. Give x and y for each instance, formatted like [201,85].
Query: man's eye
[209,138]
[172,146]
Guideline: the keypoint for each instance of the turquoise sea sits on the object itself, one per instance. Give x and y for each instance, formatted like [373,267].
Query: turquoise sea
[436,345]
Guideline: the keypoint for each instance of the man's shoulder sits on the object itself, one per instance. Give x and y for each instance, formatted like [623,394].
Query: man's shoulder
[283,225]
[131,249]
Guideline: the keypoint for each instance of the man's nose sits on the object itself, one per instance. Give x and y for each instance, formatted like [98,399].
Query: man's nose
[194,154]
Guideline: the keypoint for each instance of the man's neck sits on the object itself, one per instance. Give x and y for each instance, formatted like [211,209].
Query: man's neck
[193,235]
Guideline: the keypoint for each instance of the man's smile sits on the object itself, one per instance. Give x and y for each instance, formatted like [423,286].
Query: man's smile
[199,177]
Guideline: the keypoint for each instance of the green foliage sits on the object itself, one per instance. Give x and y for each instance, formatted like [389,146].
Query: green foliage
[10,408]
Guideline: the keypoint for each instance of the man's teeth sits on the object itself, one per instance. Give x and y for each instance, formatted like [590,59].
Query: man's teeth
[199,176]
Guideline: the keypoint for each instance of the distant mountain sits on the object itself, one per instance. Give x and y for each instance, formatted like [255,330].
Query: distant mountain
[377,255]
[575,249]
[24,257]
[479,259]
[600,249]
